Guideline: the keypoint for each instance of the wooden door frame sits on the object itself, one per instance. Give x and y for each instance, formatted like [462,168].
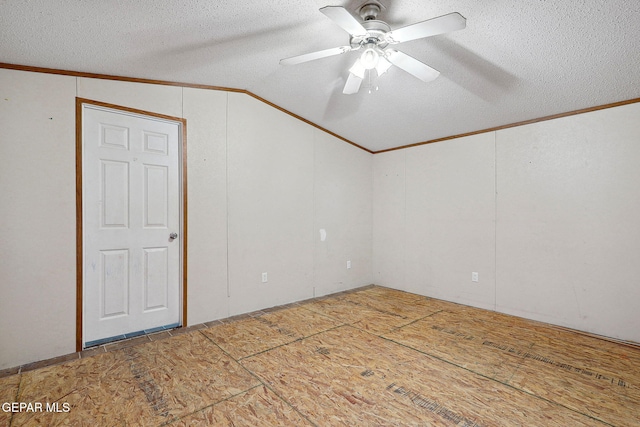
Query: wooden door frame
[79,209]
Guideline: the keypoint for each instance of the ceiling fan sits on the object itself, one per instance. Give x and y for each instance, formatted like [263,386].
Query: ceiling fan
[374,38]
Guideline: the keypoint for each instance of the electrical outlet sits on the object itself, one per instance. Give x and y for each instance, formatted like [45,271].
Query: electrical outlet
[474,276]
[264,277]
[348,264]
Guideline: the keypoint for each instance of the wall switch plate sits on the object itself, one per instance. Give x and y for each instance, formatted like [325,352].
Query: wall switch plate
[264,277]
[474,276]
[348,264]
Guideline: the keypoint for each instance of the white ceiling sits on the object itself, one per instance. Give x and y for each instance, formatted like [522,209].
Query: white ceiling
[515,61]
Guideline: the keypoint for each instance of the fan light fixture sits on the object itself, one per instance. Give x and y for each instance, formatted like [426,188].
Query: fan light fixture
[369,58]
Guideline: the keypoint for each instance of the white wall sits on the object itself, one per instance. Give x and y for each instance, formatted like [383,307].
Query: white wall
[389,221]
[37,209]
[301,180]
[569,221]
[547,214]
[258,183]
[343,209]
[206,113]
[270,208]
[434,215]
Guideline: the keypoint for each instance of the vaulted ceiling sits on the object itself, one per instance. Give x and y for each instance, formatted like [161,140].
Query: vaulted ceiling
[514,61]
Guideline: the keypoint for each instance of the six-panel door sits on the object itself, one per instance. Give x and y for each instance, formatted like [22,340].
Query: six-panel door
[131,223]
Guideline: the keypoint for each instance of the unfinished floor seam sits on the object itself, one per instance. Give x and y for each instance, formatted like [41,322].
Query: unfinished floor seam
[414,321]
[175,420]
[291,342]
[498,381]
[522,360]
[260,380]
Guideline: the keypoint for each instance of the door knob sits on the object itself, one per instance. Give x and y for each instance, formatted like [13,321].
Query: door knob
[173,236]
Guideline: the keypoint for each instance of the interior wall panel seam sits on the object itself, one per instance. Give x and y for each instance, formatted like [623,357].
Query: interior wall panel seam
[226,194]
[495,220]
[313,216]
[404,222]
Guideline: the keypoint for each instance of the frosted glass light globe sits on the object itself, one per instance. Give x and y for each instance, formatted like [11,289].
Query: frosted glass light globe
[369,58]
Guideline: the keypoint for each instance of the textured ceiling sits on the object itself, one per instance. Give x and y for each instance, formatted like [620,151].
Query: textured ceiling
[515,61]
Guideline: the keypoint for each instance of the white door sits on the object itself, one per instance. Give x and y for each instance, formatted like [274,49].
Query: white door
[131,223]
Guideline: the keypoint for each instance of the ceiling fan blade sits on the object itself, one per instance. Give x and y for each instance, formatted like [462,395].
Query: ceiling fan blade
[353,84]
[411,65]
[432,27]
[344,19]
[299,59]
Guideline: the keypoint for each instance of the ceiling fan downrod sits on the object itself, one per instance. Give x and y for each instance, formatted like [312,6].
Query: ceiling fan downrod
[369,11]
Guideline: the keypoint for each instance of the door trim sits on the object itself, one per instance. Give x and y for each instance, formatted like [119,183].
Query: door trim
[79,212]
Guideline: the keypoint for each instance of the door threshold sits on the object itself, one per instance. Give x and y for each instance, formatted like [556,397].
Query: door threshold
[130,335]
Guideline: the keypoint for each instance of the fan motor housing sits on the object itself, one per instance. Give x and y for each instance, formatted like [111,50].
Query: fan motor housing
[375,34]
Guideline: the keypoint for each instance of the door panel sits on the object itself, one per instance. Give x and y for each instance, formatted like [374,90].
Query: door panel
[155,278]
[155,196]
[114,283]
[156,143]
[115,194]
[131,206]
[114,136]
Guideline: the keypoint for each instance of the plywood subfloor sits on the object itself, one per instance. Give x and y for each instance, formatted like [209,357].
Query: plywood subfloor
[373,357]
[262,332]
